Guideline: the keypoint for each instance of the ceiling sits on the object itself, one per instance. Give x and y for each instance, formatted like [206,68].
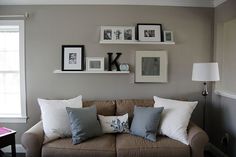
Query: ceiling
[187,3]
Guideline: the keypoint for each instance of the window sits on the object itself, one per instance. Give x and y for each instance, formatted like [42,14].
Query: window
[12,71]
[225,54]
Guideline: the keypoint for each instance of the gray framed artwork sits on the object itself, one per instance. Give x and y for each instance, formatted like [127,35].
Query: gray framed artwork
[151,66]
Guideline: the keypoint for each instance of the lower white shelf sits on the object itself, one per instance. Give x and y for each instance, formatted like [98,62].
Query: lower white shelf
[90,72]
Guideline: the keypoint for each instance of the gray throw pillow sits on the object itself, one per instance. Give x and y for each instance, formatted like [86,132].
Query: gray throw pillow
[84,123]
[145,122]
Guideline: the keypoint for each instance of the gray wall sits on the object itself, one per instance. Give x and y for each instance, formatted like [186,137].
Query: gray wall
[51,26]
[222,112]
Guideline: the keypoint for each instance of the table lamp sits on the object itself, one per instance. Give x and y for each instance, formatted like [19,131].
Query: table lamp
[205,72]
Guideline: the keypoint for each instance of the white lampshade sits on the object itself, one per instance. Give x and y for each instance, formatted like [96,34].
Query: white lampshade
[205,72]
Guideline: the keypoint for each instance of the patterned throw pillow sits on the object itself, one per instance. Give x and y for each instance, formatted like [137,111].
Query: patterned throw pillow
[114,124]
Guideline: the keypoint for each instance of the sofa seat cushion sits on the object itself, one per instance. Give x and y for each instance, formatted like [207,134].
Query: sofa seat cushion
[134,146]
[103,146]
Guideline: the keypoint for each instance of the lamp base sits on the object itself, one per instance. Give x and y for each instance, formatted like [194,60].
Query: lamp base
[205,92]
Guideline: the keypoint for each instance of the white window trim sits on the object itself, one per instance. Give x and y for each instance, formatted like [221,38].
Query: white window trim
[23,117]
[227,94]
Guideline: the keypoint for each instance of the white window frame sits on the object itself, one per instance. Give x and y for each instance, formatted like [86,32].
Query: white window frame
[23,117]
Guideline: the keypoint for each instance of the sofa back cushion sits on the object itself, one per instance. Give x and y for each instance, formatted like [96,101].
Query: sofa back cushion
[105,108]
[127,106]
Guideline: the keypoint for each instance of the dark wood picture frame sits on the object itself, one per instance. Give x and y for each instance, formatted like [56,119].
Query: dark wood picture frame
[76,55]
[148,24]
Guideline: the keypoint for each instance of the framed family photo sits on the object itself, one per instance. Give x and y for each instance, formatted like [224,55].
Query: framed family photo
[117,33]
[149,32]
[72,57]
[151,66]
[95,63]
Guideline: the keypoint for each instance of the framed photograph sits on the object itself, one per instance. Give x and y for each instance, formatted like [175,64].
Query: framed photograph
[95,63]
[168,36]
[72,57]
[117,33]
[151,66]
[149,32]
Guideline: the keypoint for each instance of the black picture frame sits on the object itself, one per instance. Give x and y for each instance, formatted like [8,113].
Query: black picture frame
[72,58]
[139,25]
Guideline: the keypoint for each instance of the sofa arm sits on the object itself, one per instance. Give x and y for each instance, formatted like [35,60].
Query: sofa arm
[197,140]
[32,140]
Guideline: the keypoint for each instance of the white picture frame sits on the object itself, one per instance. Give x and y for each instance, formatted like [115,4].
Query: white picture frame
[151,66]
[168,36]
[95,63]
[117,33]
[149,32]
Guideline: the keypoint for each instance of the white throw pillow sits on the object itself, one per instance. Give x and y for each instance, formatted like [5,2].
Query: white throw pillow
[56,122]
[175,118]
[114,124]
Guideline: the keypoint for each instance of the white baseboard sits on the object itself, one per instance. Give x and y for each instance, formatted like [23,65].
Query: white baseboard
[19,149]
[215,151]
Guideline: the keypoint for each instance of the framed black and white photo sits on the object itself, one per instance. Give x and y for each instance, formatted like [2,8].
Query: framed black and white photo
[72,57]
[168,36]
[117,33]
[95,63]
[129,33]
[151,66]
[107,34]
[149,32]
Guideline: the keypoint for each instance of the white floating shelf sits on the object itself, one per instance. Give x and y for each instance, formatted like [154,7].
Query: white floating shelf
[90,72]
[137,42]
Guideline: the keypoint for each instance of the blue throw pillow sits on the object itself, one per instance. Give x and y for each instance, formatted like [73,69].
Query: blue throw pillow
[84,123]
[145,122]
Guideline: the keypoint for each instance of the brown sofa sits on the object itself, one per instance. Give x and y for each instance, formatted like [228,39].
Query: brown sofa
[115,145]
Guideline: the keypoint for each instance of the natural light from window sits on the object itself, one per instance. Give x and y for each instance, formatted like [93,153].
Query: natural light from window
[10,71]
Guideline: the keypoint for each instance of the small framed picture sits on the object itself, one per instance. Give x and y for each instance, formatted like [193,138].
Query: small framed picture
[168,36]
[129,33]
[149,32]
[117,33]
[151,66]
[95,63]
[72,57]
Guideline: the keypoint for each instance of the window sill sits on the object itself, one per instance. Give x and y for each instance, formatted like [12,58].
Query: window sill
[13,119]
[226,94]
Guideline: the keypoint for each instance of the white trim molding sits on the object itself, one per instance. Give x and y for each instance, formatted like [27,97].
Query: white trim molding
[13,119]
[218,2]
[226,94]
[184,3]
[19,149]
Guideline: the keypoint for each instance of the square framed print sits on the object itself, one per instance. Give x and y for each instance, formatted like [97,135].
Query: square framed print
[149,32]
[151,66]
[168,36]
[117,33]
[95,63]
[72,57]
